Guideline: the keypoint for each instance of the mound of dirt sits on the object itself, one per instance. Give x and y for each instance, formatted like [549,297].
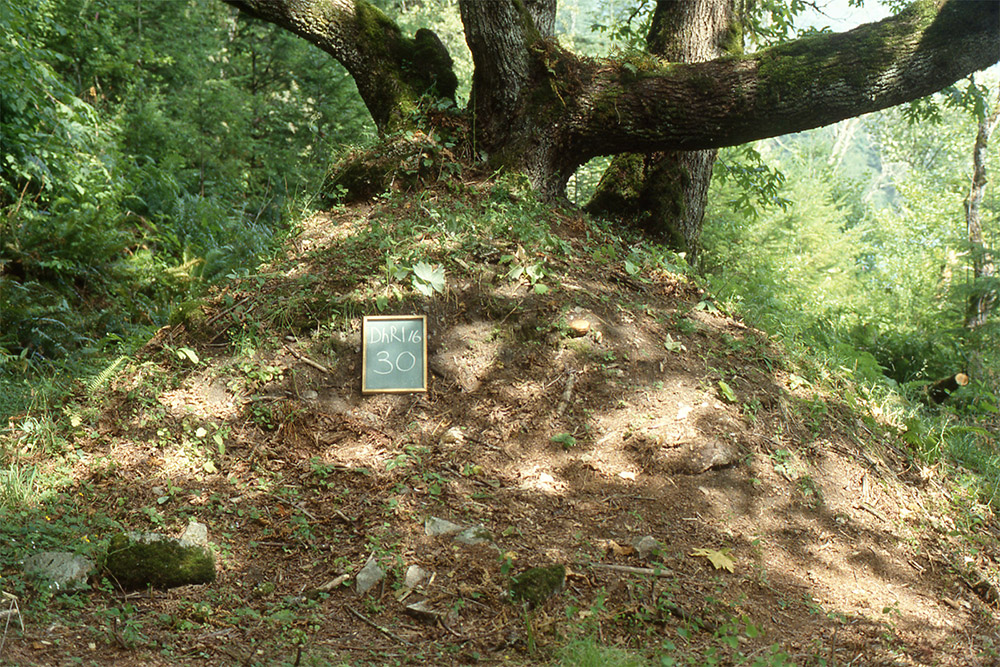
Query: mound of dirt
[783,525]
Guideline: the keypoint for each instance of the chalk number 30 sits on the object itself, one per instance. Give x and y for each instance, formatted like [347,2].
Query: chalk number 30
[405,361]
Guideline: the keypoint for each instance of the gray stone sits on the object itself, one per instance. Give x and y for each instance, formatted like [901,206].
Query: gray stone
[424,611]
[369,575]
[62,571]
[196,533]
[415,575]
[435,526]
[647,546]
[473,536]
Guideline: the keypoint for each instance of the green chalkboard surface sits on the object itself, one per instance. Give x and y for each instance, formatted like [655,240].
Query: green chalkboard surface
[394,353]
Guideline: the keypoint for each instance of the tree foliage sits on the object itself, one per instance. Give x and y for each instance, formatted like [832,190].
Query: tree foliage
[147,148]
[870,256]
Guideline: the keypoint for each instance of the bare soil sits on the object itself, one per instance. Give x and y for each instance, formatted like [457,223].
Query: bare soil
[842,547]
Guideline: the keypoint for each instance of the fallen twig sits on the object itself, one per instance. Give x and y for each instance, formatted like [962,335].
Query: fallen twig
[871,510]
[306,360]
[225,312]
[567,393]
[294,505]
[10,613]
[384,631]
[656,572]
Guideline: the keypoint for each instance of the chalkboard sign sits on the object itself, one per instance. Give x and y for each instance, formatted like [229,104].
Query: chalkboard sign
[394,354]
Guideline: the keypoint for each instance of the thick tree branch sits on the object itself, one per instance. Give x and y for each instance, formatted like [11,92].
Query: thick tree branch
[806,83]
[392,71]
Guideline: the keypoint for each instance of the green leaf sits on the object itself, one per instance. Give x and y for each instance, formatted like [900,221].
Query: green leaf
[189,354]
[535,273]
[631,268]
[428,279]
[727,391]
[673,345]
[565,439]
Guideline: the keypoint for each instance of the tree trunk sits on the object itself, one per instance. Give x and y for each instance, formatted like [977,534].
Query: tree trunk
[982,300]
[665,193]
[541,110]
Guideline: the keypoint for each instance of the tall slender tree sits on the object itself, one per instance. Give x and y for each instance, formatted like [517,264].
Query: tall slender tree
[983,298]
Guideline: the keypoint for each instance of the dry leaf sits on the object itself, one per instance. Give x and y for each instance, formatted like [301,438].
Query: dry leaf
[616,549]
[720,559]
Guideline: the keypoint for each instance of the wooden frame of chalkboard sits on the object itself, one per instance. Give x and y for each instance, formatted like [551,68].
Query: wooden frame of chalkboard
[393,354]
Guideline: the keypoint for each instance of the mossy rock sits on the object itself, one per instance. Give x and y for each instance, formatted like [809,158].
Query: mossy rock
[139,560]
[538,584]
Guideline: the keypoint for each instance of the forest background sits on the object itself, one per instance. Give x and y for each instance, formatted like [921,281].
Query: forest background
[152,149]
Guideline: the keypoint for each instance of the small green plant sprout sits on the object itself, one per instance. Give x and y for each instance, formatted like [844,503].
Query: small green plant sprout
[187,354]
[520,267]
[674,345]
[727,392]
[565,439]
[393,271]
[428,279]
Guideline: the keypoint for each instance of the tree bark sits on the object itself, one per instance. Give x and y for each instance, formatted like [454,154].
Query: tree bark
[983,299]
[666,192]
[393,72]
[539,109]
[799,85]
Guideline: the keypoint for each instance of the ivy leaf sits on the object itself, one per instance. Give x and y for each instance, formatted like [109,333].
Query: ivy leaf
[720,559]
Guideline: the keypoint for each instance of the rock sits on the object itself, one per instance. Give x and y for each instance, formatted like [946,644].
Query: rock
[369,575]
[579,327]
[435,526]
[196,533]
[473,536]
[647,546]
[423,611]
[538,584]
[710,455]
[138,560]
[415,575]
[61,571]
[453,436]
[696,457]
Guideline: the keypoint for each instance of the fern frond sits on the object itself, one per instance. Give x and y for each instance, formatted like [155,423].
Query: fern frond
[95,383]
